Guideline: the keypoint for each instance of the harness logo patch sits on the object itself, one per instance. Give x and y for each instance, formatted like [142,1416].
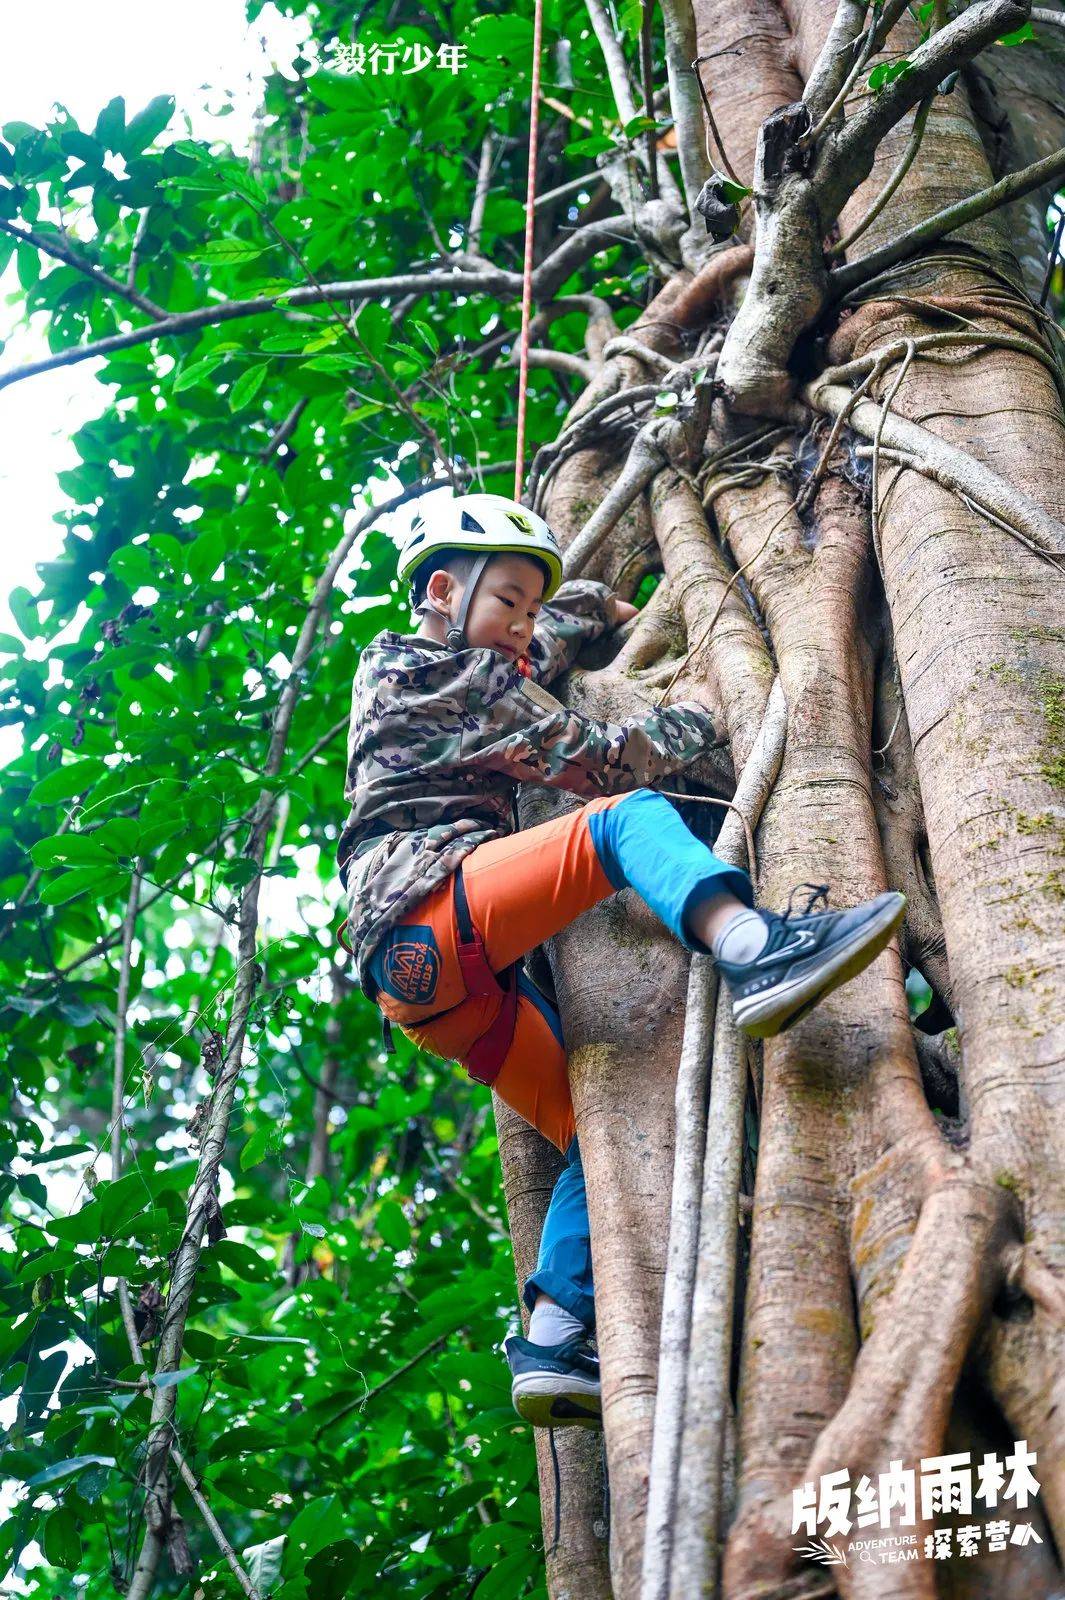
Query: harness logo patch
[412,965]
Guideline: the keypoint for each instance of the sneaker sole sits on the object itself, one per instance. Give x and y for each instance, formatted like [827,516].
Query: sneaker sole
[769,1014]
[539,1400]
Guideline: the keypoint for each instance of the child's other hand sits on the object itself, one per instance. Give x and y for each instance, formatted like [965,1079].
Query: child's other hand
[623,610]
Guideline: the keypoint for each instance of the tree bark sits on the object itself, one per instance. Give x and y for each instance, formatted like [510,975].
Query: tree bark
[905,1288]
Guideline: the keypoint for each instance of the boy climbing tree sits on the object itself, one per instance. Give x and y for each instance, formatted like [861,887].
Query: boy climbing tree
[446,896]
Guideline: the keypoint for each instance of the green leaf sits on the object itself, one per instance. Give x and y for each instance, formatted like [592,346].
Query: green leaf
[886,73]
[169,1380]
[426,334]
[147,125]
[374,327]
[334,363]
[318,1524]
[507,1577]
[1019,35]
[78,880]
[733,192]
[198,371]
[229,252]
[256,1147]
[111,124]
[67,1469]
[393,1226]
[483,1376]
[595,145]
[263,1563]
[74,777]
[62,1540]
[24,610]
[630,18]
[247,386]
[332,1573]
[361,412]
[74,142]
[245,1262]
[207,553]
[69,849]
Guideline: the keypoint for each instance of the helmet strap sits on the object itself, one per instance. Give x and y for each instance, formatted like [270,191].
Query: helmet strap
[456,633]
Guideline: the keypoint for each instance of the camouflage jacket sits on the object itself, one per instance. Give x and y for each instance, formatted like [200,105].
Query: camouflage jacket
[440,739]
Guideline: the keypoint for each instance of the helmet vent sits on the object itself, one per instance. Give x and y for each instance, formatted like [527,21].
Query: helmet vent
[470,524]
[520,521]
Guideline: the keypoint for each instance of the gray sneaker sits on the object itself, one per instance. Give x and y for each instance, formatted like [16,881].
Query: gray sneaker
[555,1385]
[806,957]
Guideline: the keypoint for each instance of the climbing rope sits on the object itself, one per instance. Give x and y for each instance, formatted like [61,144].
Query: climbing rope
[526,283]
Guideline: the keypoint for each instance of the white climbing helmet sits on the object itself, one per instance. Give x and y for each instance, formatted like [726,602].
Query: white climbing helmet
[487,524]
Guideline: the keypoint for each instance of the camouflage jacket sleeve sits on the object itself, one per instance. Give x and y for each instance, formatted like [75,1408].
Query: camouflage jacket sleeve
[514,727]
[580,611]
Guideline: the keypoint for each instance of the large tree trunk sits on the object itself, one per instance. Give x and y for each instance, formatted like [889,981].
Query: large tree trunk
[907,1273]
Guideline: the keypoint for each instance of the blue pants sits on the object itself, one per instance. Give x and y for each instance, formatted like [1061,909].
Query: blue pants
[641,843]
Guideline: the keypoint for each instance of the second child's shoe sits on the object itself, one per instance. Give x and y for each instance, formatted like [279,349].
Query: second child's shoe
[555,1385]
[805,958]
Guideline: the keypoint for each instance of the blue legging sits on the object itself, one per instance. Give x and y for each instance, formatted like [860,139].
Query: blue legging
[641,843]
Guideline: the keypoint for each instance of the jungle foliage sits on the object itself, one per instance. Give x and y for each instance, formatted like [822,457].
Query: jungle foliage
[340,1398]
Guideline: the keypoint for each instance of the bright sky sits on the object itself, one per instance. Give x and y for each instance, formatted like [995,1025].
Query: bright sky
[81,56]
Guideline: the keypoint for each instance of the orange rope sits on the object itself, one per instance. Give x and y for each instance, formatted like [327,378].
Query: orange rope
[526,286]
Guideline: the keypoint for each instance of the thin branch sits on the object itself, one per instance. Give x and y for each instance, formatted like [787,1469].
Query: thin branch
[712,124]
[902,167]
[951,47]
[831,69]
[1013,187]
[135,252]
[704,1151]
[865,46]
[230,310]
[480,197]
[685,96]
[397,1372]
[1052,261]
[590,181]
[502,285]
[647,83]
[153,1546]
[561,361]
[617,70]
[59,247]
[955,469]
[118,1081]
[585,242]
[645,458]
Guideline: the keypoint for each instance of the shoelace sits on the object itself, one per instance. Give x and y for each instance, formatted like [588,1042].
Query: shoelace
[820,892]
[557,1530]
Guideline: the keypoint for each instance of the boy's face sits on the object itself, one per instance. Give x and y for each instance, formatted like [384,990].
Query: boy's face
[505,604]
